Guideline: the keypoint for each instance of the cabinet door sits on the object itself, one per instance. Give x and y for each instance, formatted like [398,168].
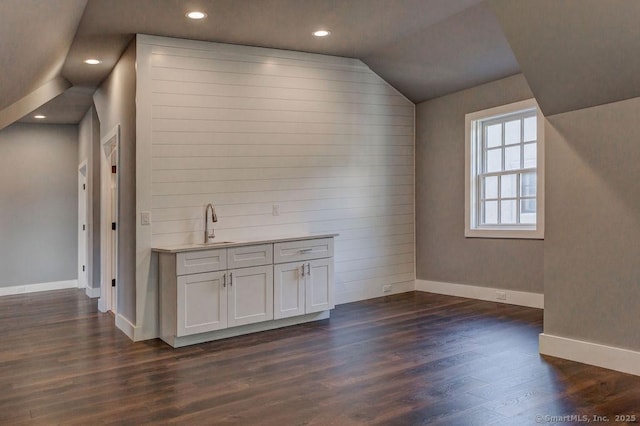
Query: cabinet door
[250,295]
[319,285]
[288,290]
[202,303]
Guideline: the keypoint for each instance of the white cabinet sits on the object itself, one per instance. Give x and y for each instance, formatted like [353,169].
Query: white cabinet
[319,285]
[305,285]
[289,290]
[198,294]
[250,295]
[216,300]
[212,293]
[202,303]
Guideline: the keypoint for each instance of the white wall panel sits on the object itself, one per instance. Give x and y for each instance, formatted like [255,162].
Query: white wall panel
[245,128]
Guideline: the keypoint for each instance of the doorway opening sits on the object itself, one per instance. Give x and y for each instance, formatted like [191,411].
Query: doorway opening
[109,220]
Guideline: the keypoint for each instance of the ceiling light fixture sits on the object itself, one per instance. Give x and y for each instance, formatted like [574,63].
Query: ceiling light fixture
[40,117]
[196,14]
[321,33]
[93,61]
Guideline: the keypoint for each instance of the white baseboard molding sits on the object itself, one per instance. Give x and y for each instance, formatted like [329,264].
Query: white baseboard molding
[92,292]
[513,297]
[32,288]
[134,333]
[618,359]
[102,306]
[125,325]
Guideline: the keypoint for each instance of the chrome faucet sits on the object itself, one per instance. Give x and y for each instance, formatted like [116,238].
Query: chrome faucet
[209,234]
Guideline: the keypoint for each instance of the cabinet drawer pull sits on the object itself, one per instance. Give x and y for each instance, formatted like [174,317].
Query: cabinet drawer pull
[230,279]
[309,269]
[303,269]
[307,250]
[224,280]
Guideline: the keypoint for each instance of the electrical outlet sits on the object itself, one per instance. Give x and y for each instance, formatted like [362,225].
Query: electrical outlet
[275,210]
[386,288]
[501,295]
[145,218]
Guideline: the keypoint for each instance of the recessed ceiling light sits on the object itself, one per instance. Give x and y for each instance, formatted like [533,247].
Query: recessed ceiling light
[196,14]
[93,61]
[40,116]
[321,33]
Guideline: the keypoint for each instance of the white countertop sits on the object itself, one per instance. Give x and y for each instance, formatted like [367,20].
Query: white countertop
[224,244]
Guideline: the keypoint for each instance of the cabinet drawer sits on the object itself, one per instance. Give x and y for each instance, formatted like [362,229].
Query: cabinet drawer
[194,262]
[247,256]
[294,251]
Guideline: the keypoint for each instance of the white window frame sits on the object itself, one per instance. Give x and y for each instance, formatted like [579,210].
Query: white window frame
[473,122]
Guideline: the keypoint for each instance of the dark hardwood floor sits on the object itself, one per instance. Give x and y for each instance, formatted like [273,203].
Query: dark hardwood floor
[407,359]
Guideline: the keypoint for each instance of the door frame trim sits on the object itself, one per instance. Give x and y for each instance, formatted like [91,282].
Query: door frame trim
[108,144]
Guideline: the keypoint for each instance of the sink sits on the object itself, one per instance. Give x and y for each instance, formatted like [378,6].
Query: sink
[215,243]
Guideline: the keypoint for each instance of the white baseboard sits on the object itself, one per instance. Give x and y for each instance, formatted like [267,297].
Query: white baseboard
[92,292]
[133,332]
[513,297]
[32,288]
[125,325]
[610,357]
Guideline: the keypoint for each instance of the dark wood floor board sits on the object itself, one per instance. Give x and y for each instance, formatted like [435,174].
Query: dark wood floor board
[413,358]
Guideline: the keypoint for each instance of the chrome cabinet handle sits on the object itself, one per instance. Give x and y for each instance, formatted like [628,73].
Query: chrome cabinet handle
[303,269]
[309,269]
[224,280]
[230,279]
[306,250]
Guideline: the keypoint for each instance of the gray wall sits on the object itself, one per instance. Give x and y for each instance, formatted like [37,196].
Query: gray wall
[38,204]
[89,150]
[443,253]
[115,104]
[592,244]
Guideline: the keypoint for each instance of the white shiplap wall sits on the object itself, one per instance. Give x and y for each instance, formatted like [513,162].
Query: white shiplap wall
[245,128]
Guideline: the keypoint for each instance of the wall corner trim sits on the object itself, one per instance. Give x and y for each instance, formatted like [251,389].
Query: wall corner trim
[611,357]
[513,297]
[32,288]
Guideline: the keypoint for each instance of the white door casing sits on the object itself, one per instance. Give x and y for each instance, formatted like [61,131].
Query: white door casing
[109,214]
[83,226]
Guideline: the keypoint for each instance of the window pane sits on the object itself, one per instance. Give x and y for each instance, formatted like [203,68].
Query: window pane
[512,157]
[528,184]
[491,187]
[494,135]
[530,155]
[508,186]
[530,129]
[490,212]
[494,160]
[508,211]
[512,132]
[528,211]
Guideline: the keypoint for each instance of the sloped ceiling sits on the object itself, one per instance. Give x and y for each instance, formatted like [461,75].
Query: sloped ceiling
[462,51]
[575,53]
[35,36]
[363,29]
[425,48]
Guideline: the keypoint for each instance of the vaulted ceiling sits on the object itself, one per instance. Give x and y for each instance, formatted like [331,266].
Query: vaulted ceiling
[574,53]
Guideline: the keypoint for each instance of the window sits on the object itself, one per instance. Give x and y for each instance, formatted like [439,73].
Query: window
[504,172]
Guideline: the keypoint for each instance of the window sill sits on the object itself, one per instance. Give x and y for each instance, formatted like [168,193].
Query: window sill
[513,233]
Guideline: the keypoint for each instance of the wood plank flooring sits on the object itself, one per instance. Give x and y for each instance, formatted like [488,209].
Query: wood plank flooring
[414,358]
